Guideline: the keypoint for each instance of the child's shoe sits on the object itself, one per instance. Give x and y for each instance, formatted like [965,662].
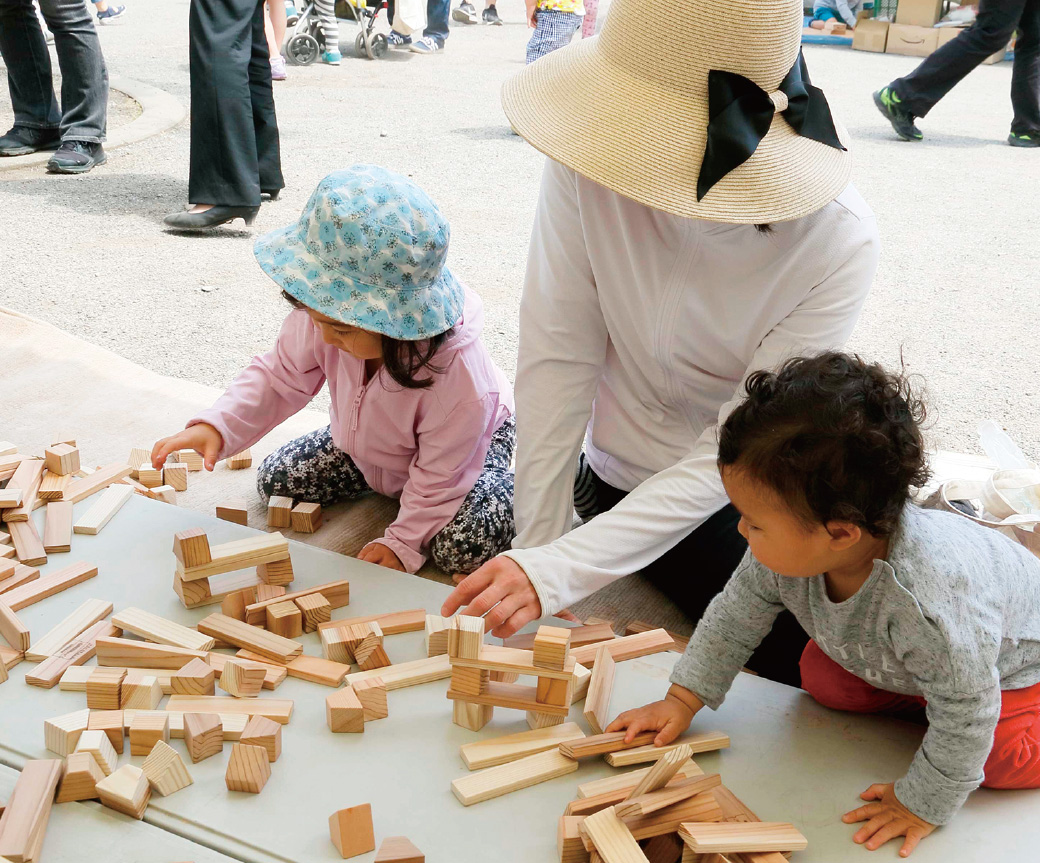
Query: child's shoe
[331,58]
[465,13]
[1016,140]
[889,104]
[110,14]
[426,45]
[278,72]
[490,16]
[292,17]
[396,40]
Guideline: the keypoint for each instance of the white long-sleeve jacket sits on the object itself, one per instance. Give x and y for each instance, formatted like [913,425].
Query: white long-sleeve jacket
[637,329]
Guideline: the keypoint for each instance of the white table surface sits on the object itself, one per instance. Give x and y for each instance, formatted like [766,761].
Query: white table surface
[791,759]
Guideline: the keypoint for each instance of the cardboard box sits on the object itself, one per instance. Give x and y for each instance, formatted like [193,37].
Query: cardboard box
[948,34]
[911,40]
[918,13]
[870,35]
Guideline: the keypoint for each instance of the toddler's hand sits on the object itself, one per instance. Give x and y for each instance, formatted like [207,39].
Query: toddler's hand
[531,9]
[886,820]
[382,555]
[669,718]
[201,437]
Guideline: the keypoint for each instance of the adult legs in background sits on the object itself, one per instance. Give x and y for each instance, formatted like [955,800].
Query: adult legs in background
[265,123]
[484,524]
[28,62]
[1025,77]
[552,30]
[313,469]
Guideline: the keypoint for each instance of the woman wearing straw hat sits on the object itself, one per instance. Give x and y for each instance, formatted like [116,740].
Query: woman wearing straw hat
[695,223]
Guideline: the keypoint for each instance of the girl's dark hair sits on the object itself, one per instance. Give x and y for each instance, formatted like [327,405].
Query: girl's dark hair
[764,229]
[403,360]
[835,437]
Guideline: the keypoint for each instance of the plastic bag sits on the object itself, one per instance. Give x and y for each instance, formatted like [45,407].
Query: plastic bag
[409,16]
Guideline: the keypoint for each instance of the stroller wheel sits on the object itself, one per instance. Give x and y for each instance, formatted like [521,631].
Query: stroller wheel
[302,49]
[379,46]
[359,45]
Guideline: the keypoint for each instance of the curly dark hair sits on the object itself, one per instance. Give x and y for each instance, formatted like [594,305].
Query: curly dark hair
[834,436]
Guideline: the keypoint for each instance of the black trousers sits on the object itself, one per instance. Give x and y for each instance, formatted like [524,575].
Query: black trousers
[996,22]
[234,133]
[699,567]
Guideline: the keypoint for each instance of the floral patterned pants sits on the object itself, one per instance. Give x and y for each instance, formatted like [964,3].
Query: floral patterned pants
[313,468]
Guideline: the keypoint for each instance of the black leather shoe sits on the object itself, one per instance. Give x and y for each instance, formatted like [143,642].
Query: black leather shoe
[218,215]
[76,157]
[22,140]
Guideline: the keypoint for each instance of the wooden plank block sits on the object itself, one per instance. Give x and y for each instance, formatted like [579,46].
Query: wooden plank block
[127,653]
[597,701]
[104,508]
[465,637]
[629,647]
[24,822]
[76,652]
[274,673]
[14,574]
[278,709]
[99,479]
[9,657]
[311,668]
[243,635]
[407,673]
[706,838]
[611,838]
[644,804]
[52,486]
[703,741]
[618,788]
[700,807]
[501,750]
[160,630]
[238,554]
[678,642]
[6,551]
[336,592]
[12,629]
[506,778]
[239,461]
[8,448]
[551,646]
[495,658]
[10,498]
[391,622]
[435,639]
[48,585]
[512,695]
[27,545]
[89,613]
[57,529]
[211,591]
[235,510]
[661,773]
[580,636]
[26,477]
[601,744]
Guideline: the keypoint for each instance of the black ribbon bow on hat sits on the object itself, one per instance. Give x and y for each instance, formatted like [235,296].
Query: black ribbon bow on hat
[740,114]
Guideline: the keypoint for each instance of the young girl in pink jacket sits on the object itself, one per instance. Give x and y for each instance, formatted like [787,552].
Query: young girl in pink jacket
[419,410]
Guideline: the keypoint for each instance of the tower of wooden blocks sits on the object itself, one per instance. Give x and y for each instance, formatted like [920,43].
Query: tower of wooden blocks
[473,662]
[351,830]
[197,562]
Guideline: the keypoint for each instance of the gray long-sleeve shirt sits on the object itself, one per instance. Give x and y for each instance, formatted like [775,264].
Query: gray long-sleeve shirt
[953,615]
[846,9]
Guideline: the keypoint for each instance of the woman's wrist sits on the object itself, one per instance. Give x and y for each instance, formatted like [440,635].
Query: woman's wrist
[686,698]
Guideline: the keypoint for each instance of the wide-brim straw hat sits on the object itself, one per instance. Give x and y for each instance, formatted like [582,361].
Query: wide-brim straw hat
[629,109]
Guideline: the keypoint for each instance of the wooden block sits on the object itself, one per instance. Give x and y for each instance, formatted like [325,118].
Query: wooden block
[311,668]
[629,647]
[704,741]
[372,695]
[12,629]
[465,637]
[369,653]
[127,653]
[243,635]
[406,673]
[28,547]
[142,694]
[10,498]
[238,554]
[27,477]
[7,551]
[597,701]
[276,572]
[472,717]
[315,609]
[160,630]
[195,678]
[568,841]
[80,778]
[351,830]
[653,801]
[165,770]
[146,728]
[208,591]
[274,675]
[62,733]
[235,511]
[234,604]
[139,456]
[556,693]
[551,647]
[667,848]
[3,673]
[678,642]
[511,695]
[265,592]
[241,680]
[191,547]
[52,486]
[335,646]
[617,789]
[398,849]
[14,574]
[111,723]
[611,838]
[76,652]
[662,772]
[24,822]
[505,778]
[165,493]
[582,679]
[57,530]
[536,720]
[501,750]
[176,474]
[278,709]
[285,619]
[469,681]
[189,457]
[700,807]
[104,688]
[601,744]
[336,592]
[240,460]
[279,511]
[344,712]
[306,517]
[391,622]
[48,585]
[106,506]
[261,731]
[726,837]
[96,744]
[248,769]
[126,790]
[509,659]
[203,735]
[101,478]
[61,459]
[436,639]
[8,448]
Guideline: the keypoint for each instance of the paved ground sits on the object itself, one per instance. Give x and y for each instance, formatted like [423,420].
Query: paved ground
[956,294]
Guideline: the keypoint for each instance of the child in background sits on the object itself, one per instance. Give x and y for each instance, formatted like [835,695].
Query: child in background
[907,608]
[840,10]
[555,22]
[106,12]
[419,410]
[275,21]
[330,30]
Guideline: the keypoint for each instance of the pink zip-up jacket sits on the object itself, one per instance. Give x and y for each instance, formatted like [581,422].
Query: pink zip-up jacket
[424,446]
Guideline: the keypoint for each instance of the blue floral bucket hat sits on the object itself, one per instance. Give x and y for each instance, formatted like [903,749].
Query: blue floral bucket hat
[368,250]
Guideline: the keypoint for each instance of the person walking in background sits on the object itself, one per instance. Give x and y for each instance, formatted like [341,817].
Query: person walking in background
[906,99]
[433,37]
[234,132]
[555,22]
[466,13]
[77,128]
[107,14]
[274,28]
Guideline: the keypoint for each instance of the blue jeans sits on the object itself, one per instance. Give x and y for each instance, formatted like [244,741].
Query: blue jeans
[83,115]
[436,19]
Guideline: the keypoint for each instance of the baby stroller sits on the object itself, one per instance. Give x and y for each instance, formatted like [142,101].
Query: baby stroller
[307,40]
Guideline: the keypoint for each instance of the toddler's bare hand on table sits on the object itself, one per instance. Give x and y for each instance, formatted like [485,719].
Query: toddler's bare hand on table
[201,437]
[886,819]
[381,555]
[669,717]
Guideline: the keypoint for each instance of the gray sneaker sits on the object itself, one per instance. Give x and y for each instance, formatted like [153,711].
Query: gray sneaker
[76,157]
[465,13]
[22,140]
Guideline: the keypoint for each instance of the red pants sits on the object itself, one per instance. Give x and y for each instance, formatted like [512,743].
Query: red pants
[1014,761]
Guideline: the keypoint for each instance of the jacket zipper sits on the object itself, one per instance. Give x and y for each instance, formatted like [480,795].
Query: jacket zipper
[355,410]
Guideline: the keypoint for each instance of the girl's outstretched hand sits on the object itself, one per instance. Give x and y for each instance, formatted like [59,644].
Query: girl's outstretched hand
[670,717]
[886,819]
[382,555]
[201,437]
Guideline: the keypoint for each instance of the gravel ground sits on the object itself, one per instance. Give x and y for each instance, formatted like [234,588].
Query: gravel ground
[955,297]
